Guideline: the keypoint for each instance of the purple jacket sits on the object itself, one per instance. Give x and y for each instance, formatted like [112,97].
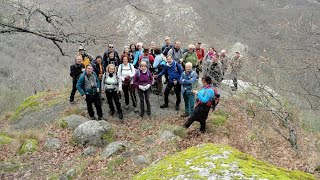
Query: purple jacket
[141,78]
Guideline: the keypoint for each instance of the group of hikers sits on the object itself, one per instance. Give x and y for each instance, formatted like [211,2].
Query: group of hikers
[140,69]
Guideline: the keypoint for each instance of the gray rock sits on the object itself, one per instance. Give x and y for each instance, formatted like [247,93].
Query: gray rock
[114,147]
[140,160]
[167,135]
[68,175]
[52,143]
[73,121]
[89,151]
[93,133]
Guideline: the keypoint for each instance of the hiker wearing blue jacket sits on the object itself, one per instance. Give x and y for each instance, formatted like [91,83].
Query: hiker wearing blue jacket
[88,86]
[174,71]
[158,64]
[137,55]
[203,106]
[188,81]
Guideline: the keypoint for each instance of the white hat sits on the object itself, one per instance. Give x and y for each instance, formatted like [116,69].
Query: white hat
[223,51]
[81,48]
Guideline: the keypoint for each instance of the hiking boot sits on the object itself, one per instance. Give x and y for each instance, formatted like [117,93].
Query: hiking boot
[164,106]
[149,113]
[120,115]
[111,112]
[100,118]
[185,115]
[93,118]
[126,107]
[141,115]
[72,102]
[177,108]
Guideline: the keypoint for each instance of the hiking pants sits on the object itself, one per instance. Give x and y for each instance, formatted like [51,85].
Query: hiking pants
[113,96]
[177,90]
[144,95]
[159,84]
[74,89]
[200,114]
[94,99]
[126,89]
[188,103]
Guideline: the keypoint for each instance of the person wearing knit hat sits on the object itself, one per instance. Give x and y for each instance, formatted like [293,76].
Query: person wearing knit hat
[190,56]
[223,58]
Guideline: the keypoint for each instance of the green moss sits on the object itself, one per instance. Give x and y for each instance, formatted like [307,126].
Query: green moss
[4,139]
[29,146]
[217,159]
[219,118]
[108,137]
[62,123]
[10,168]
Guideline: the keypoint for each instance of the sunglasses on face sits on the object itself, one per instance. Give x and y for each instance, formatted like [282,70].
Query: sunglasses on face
[110,46]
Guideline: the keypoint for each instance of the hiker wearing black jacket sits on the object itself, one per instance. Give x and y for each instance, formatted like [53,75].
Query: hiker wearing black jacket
[75,71]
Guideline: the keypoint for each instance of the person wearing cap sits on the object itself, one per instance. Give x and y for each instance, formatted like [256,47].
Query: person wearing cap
[236,65]
[109,50]
[188,82]
[190,56]
[223,58]
[176,52]
[88,86]
[87,58]
[200,56]
[167,46]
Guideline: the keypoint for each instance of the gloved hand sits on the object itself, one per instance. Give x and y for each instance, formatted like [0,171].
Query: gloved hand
[147,86]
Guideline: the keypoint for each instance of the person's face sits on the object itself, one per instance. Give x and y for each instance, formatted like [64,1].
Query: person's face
[111,69]
[210,50]
[125,60]
[190,50]
[237,55]
[126,50]
[81,51]
[169,60]
[89,70]
[133,47]
[143,67]
[198,46]
[153,45]
[204,83]
[167,41]
[188,67]
[177,45]
[139,46]
[111,55]
[79,60]
[110,47]
[99,60]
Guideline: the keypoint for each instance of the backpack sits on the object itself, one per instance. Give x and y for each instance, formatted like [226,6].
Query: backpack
[146,59]
[214,100]
[121,66]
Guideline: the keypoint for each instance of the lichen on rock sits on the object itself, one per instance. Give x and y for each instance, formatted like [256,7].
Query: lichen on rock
[209,161]
[4,139]
[29,146]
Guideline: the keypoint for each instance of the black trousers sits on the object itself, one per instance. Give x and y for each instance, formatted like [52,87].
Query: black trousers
[200,114]
[74,89]
[144,95]
[113,96]
[129,89]
[94,99]
[177,90]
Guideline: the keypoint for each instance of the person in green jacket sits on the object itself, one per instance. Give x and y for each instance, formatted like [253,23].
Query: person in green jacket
[190,56]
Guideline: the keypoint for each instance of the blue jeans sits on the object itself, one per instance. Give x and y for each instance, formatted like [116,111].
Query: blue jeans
[188,103]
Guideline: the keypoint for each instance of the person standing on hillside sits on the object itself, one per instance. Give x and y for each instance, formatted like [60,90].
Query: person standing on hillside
[188,80]
[87,58]
[98,69]
[223,58]
[75,72]
[137,55]
[159,63]
[236,65]
[208,60]
[190,56]
[203,106]
[176,52]
[110,87]
[132,52]
[153,46]
[110,49]
[174,71]
[88,86]
[200,56]
[126,52]
[167,46]
[126,72]
[143,80]
[111,60]
[147,57]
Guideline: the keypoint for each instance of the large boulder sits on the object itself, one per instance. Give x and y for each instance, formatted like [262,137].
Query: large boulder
[72,121]
[209,161]
[114,147]
[95,133]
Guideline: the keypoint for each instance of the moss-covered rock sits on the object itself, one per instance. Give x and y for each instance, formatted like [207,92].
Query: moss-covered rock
[219,118]
[209,161]
[4,139]
[29,146]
